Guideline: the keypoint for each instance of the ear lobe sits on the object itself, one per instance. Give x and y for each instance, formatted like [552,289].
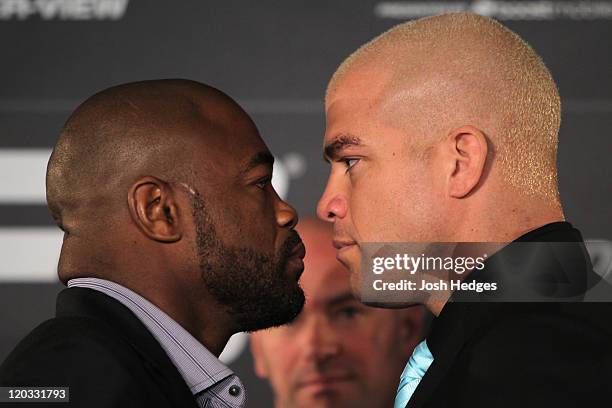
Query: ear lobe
[411,327]
[258,359]
[469,150]
[154,209]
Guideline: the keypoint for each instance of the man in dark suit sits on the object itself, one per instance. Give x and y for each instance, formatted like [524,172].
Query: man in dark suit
[445,130]
[174,239]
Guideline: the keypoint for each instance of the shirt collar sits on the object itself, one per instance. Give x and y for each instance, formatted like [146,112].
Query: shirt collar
[197,365]
[458,319]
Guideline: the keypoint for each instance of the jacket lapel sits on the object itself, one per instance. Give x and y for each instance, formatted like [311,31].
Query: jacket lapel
[459,321]
[92,304]
[446,339]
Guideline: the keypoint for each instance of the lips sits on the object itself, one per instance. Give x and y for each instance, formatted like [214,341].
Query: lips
[327,381]
[295,260]
[340,244]
[298,251]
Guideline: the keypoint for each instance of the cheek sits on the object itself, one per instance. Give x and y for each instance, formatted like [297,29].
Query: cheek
[374,340]
[378,353]
[248,223]
[424,208]
[399,203]
[387,202]
[281,358]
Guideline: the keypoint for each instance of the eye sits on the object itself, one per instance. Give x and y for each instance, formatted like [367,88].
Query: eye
[348,312]
[349,163]
[263,182]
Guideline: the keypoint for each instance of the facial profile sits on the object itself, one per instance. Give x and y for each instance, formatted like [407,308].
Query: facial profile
[433,128]
[260,290]
[337,352]
[249,255]
[201,210]
[378,188]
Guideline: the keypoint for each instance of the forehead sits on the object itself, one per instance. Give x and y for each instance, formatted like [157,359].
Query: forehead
[233,129]
[357,87]
[353,104]
[324,282]
[226,139]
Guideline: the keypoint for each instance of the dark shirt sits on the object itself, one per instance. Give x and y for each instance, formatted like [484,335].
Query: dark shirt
[527,354]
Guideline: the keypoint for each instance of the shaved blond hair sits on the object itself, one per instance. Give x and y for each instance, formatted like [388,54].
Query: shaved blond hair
[464,69]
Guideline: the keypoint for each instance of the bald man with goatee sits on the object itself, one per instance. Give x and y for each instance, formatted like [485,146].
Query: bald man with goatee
[445,130]
[174,239]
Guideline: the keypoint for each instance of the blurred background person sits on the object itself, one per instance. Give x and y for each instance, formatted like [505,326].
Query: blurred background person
[338,352]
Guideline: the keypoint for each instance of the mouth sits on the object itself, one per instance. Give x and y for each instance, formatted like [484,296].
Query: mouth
[295,260]
[298,251]
[342,244]
[323,383]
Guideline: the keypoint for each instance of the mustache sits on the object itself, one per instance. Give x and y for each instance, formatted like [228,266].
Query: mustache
[332,370]
[290,242]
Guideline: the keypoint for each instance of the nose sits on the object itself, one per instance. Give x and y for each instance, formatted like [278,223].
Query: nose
[286,216]
[332,204]
[321,342]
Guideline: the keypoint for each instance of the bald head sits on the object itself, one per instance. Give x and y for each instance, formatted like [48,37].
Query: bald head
[127,148]
[440,73]
[130,130]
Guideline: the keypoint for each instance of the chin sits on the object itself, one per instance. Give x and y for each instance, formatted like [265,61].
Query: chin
[331,398]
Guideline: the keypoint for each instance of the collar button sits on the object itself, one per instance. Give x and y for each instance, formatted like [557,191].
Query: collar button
[234,390]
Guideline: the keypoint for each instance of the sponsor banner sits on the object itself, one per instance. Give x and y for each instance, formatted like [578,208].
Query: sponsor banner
[63,10]
[501,10]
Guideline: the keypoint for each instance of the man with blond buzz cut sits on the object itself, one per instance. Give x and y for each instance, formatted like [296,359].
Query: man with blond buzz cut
[445,129]
[338,353]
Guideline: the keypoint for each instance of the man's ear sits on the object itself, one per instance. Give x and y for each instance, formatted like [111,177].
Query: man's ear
[412,321]
[153,207]
[258,358]
[468,149]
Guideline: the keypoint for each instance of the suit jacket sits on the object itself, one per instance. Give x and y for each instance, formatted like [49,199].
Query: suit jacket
[548,354]
[100,350]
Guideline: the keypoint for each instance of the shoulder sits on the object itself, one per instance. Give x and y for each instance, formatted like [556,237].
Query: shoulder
[555,333]
[552,351]
[71,351]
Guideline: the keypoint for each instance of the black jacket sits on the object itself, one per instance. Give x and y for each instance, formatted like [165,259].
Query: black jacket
[100,350]
[523,354]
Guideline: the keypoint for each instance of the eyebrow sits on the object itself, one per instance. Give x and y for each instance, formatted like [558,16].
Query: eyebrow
[333,149]
[341,298]
[258,159]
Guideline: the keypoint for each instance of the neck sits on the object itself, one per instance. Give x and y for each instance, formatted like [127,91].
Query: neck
[205,320]
[503,217]
[189,305]
[435,307]
[496,230]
